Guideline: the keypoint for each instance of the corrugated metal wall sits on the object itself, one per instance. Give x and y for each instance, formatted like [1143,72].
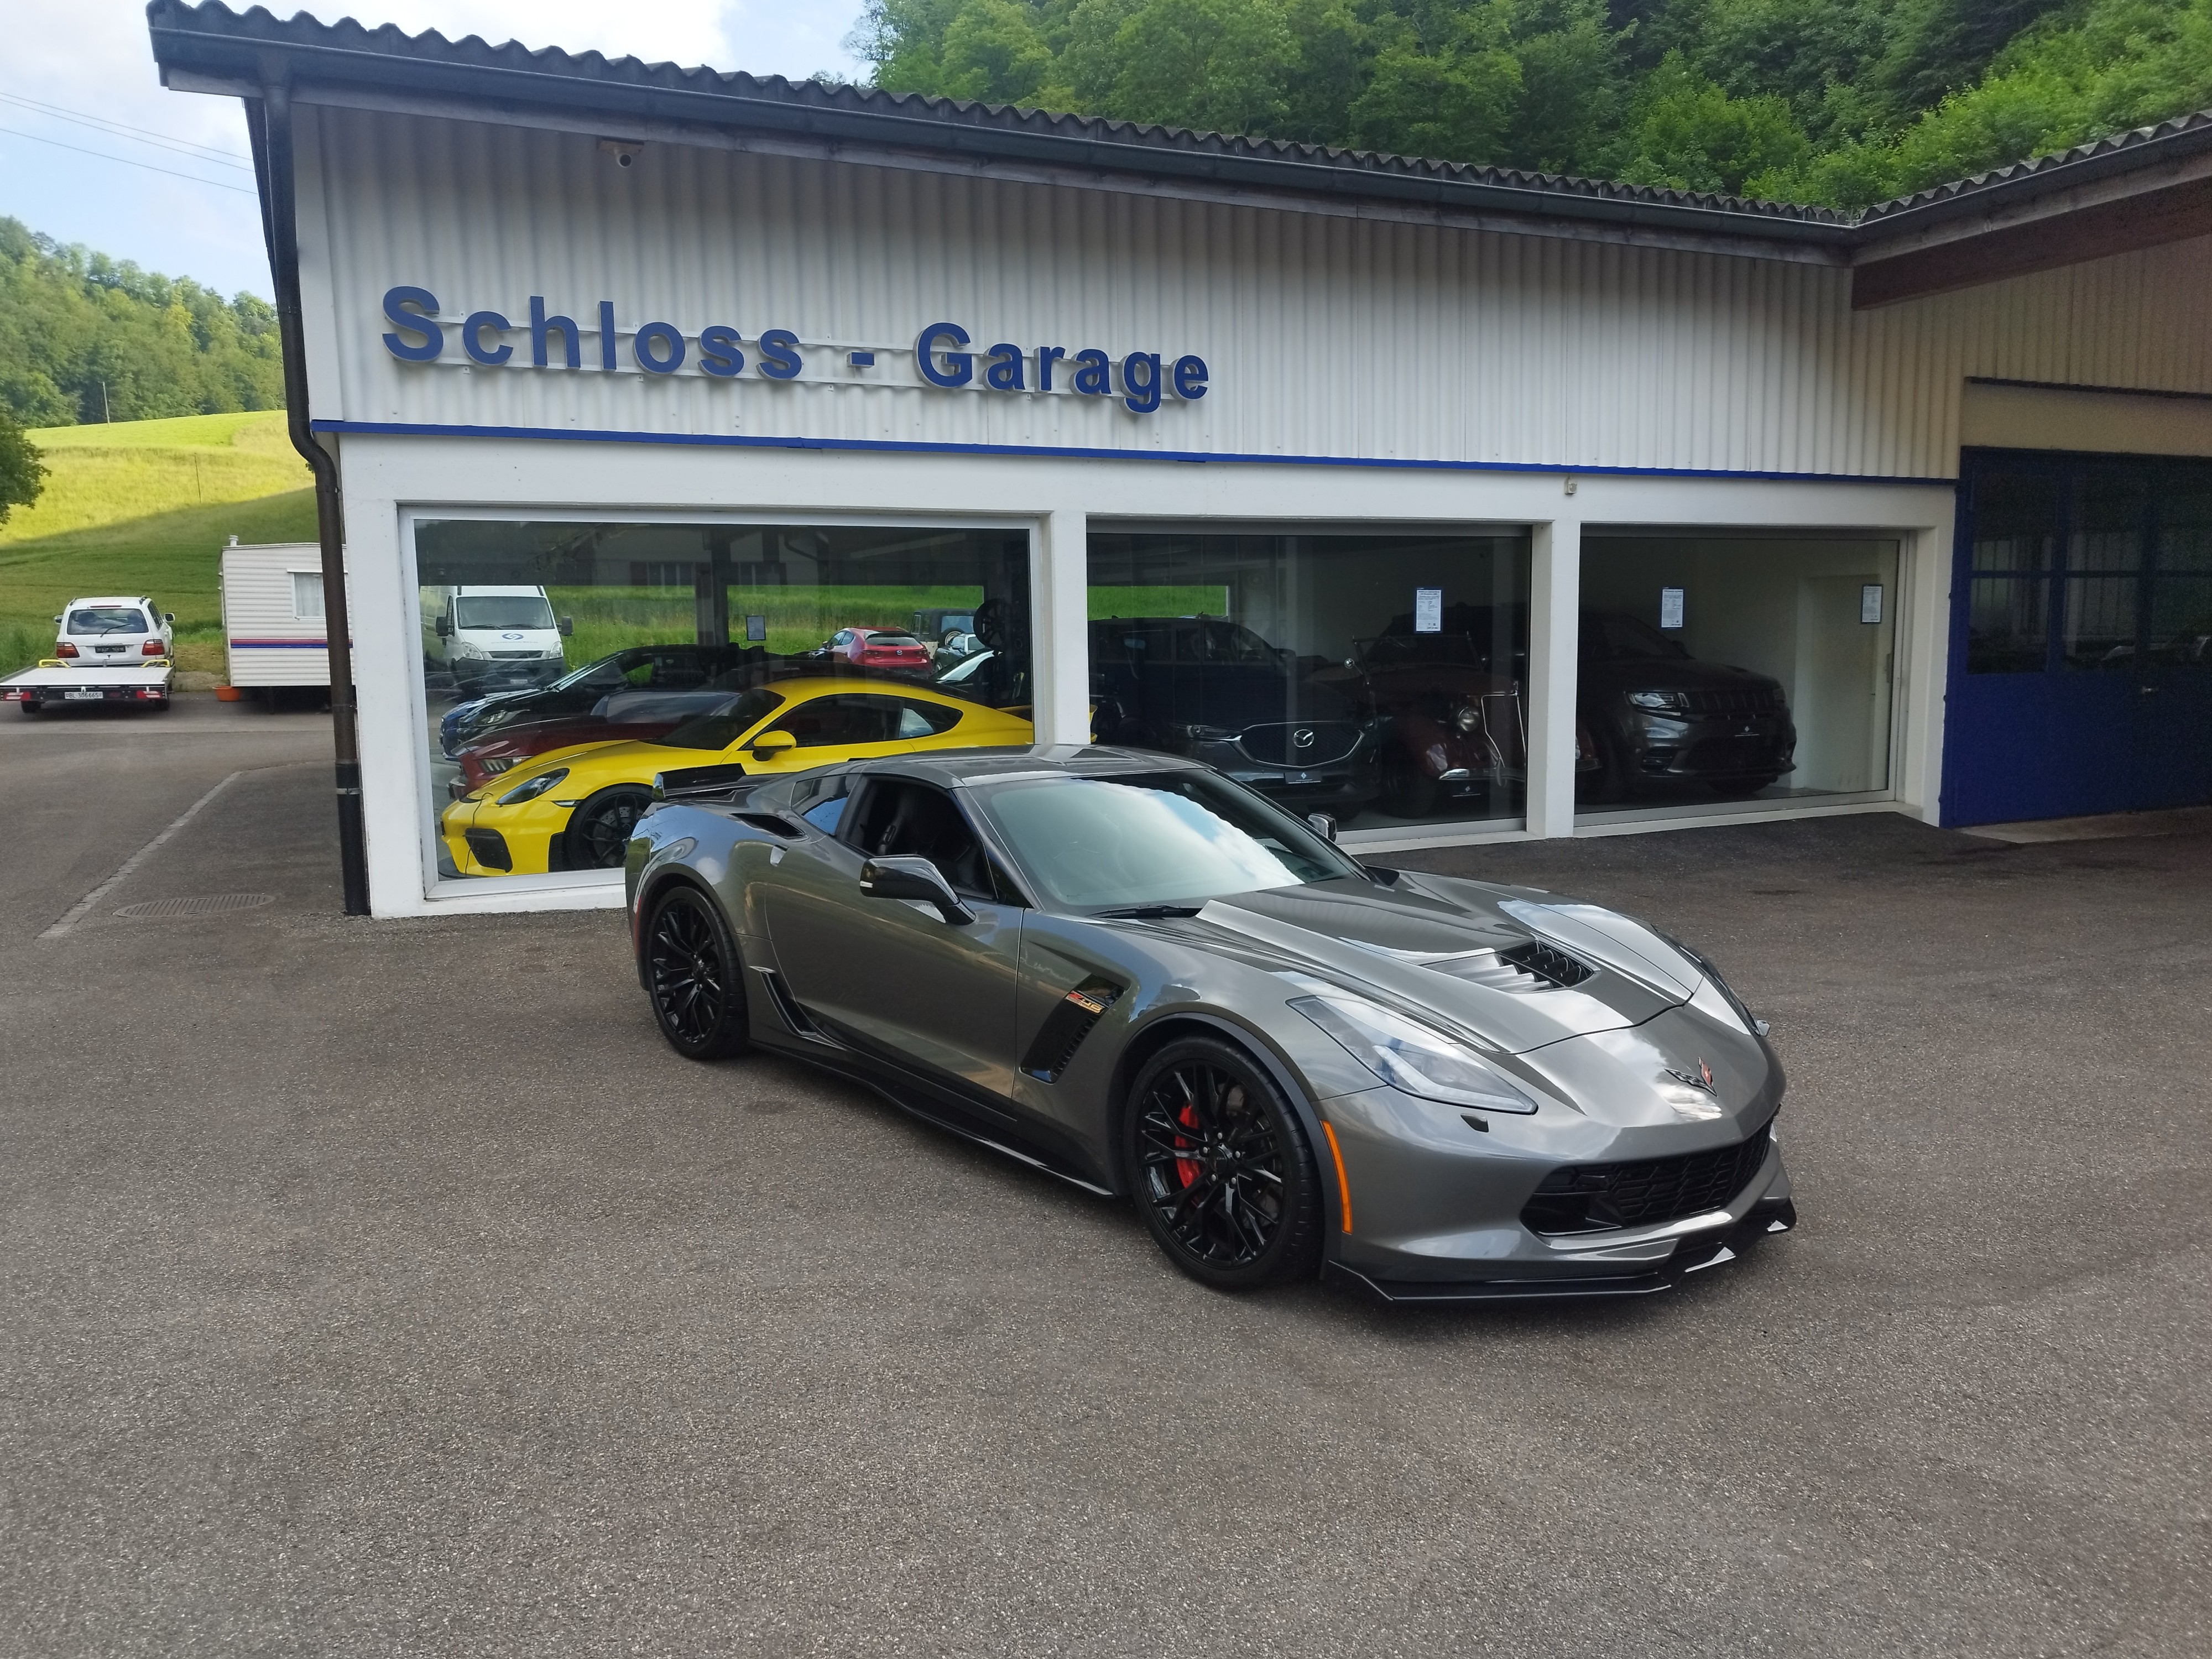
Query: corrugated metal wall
[1325,335]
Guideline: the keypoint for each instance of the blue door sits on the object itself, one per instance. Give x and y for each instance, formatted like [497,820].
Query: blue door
[2081,636]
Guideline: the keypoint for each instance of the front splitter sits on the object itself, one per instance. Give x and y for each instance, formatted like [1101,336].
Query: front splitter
[1693,1256]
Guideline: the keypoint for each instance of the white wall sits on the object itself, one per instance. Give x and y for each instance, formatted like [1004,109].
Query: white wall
[1327,335]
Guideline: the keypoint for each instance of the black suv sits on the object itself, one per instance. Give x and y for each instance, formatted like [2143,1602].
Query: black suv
[1209,689]
[1657,712]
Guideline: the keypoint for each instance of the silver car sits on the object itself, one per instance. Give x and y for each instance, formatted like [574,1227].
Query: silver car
[1127,970]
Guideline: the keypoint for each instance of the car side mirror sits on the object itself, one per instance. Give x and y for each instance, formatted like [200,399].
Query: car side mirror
[168,616]
[445,627]
[1324,825]
[902,876]
[769,745]
[568,626]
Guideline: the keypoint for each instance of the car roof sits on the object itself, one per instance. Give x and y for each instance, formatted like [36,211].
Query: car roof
[112,599]
[953,769]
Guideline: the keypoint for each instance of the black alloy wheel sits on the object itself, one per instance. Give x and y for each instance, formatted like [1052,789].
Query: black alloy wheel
[598,835]
[694,974]
[1222,1172]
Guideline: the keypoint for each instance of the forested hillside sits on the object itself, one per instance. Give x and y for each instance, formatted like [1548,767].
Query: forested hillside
[1843,102]
[71,319]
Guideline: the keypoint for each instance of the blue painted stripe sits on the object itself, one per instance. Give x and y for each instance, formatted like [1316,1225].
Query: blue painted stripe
[725,440]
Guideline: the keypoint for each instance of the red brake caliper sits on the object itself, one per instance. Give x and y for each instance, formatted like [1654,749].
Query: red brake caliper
[1186,1168]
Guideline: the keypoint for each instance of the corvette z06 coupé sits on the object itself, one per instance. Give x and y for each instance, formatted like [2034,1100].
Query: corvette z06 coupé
[1126,969]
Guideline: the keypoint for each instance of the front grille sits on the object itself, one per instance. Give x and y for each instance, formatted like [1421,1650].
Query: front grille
[1592,1198]
[1747,700]
[1326,743]
[499,762]
[490,848]
[518,656]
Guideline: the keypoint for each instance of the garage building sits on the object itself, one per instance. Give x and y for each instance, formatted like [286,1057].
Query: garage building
[1459,503]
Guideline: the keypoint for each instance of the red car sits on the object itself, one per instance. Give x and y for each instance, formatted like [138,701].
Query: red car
[875,647]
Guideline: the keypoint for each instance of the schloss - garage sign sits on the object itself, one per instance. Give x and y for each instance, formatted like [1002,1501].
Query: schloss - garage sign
[941,353]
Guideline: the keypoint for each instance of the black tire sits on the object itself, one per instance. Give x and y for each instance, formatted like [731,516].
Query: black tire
[1408,790]
[1243,1209]
[1739,788]
[695,976]
[29,705]
[598,835]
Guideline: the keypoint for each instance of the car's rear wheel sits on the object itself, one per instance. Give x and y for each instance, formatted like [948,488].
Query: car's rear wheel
[1223,1174]
[29,705]
[695,976]
[598,835]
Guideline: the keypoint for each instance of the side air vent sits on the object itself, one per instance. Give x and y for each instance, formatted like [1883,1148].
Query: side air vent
[1547,963]
[768,823]
[1067,1025]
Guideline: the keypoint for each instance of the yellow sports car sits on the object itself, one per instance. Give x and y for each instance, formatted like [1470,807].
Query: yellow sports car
[574,809]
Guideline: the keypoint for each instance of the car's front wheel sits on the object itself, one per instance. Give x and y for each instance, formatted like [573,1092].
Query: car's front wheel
[695,976]
[1223,1174]
[598,835]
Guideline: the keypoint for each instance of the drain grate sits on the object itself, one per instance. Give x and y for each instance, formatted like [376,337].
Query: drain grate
[206,904]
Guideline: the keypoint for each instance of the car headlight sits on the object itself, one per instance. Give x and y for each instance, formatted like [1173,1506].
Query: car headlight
[1664,702]
[1467,718]
[1410,1056]
[531,790]
[1204,733]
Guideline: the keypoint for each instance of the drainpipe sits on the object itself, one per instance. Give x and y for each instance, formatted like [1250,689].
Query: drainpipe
[269,122]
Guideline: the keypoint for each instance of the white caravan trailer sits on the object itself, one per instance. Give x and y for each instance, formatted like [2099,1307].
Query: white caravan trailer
[272,616]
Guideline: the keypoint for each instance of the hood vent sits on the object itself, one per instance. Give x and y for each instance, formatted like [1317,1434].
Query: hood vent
[1548,963]
[1535,966]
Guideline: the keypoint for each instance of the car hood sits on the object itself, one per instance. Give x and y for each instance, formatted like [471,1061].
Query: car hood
[1513,967]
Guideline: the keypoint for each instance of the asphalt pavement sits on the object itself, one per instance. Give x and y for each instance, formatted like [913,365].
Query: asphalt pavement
[388,1288]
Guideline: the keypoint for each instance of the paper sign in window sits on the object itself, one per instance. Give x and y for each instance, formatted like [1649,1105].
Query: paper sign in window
[1428,610]
[1670,607]
[1870,603]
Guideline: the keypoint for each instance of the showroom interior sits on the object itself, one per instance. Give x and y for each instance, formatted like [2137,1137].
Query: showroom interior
[1456,505]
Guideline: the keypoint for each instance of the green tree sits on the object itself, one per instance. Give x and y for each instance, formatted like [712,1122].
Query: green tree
[1690,135]
[22,476]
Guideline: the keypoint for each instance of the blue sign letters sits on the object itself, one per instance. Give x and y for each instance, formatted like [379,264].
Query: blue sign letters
[942,352]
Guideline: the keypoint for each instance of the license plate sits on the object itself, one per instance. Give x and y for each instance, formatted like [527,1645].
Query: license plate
[83,696]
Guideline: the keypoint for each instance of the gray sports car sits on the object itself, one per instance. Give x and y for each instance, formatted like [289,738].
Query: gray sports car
[1126,969]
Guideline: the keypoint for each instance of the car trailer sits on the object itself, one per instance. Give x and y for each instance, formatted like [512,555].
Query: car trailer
[54,683]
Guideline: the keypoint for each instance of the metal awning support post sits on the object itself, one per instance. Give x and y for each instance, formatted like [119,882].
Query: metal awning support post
[269,120]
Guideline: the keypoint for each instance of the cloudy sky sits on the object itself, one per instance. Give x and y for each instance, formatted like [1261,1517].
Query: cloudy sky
[77,77]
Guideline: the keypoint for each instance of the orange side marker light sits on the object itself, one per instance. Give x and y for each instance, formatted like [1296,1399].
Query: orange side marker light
[1343,1187]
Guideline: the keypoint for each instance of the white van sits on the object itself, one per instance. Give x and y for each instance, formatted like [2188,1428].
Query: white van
[493,639]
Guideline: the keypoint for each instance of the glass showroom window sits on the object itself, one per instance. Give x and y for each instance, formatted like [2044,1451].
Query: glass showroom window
[1733,668]
[566,664]
[1376,677]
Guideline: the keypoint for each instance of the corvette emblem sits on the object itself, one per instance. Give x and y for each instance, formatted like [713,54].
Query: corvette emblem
[1701,1078]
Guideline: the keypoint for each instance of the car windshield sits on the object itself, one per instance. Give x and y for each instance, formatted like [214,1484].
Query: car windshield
[1172,838]
[967,669]
[107,619]
[724,724]
[502,610]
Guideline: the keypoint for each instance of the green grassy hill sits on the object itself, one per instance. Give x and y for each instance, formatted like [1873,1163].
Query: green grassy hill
[144,506]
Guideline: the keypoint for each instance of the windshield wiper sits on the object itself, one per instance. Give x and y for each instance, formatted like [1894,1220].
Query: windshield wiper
[1148,912]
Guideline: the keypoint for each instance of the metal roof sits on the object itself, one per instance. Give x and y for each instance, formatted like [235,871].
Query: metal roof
[247,50]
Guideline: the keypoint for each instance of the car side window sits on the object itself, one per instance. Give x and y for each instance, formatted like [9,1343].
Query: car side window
[898,817]
[858,717]
[926,720]
[827,808]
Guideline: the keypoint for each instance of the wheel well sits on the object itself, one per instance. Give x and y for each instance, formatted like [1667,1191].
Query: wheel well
[1172,1028]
